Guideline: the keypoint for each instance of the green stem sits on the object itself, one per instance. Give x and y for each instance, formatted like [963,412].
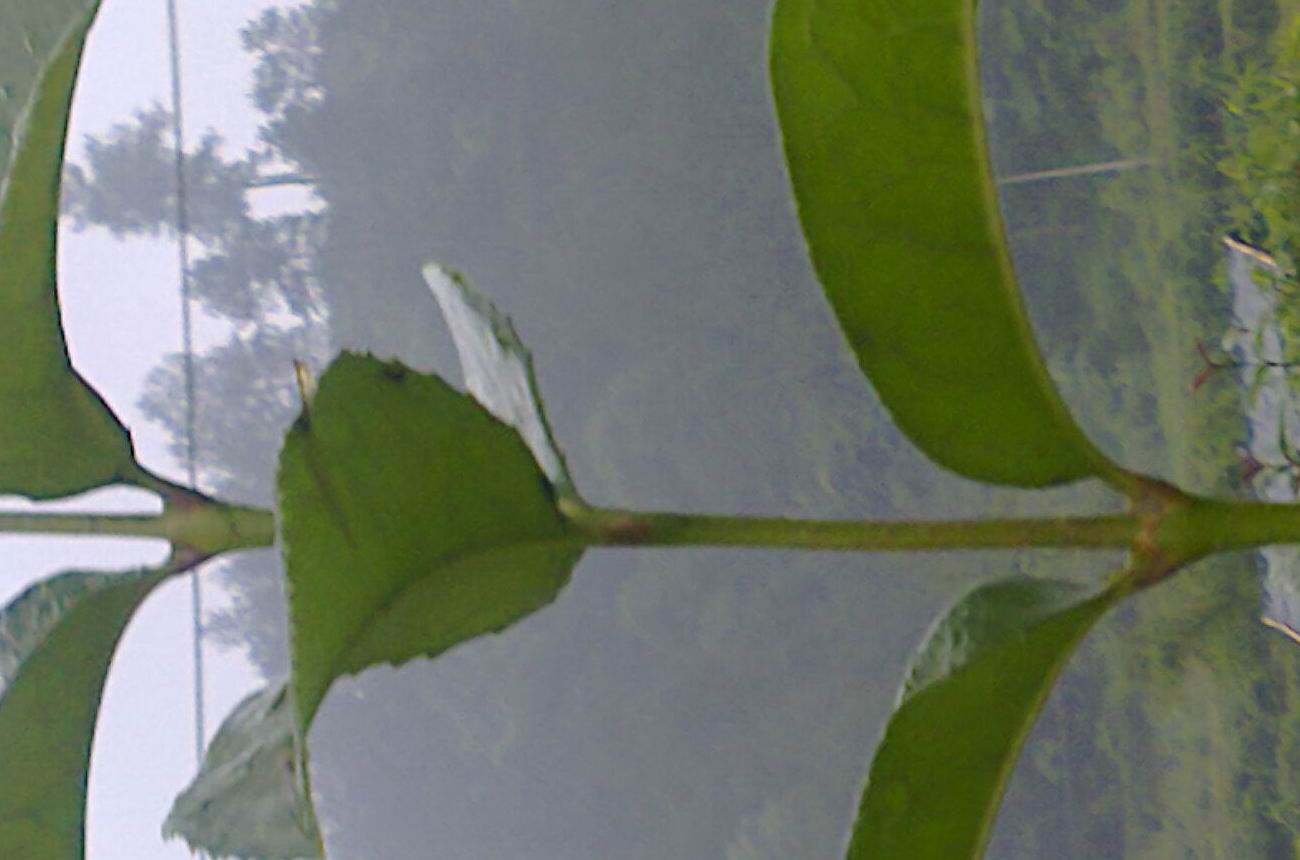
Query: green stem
[206,529]
[628,528]
[1187,531]
[1207,526]
[111,525]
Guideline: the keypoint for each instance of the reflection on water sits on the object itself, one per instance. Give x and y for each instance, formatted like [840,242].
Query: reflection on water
[609,174]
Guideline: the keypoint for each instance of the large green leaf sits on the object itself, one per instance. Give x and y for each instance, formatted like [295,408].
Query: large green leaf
[250,798]
[972,695]
[57,436]
[56,642]
[878,102]
[412,520]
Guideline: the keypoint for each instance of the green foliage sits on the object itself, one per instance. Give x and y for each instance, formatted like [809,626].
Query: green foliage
[885,146]
[415,518]
[58,435]
[970,699]
[250,797]
[412,520]
[56,642]
[1260,152]
[128,184]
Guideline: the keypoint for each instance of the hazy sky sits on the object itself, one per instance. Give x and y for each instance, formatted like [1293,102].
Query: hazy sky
[122,315]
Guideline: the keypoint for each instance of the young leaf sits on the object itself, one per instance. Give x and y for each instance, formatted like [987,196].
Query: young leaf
[412,520]
[879,111]
[498,368]
[250,799]
[57,436]
[56,642]
[969,701]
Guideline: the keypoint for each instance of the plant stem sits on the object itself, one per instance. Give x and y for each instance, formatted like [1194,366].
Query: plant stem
[111,525]
[206,529]
[628,528]
[1207,526]
[1188,531]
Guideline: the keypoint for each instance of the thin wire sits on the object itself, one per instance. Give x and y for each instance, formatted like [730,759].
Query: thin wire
[187,347]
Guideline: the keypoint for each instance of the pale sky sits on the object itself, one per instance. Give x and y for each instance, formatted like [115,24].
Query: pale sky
[122,315]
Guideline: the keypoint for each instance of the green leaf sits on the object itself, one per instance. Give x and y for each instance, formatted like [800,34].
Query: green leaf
[250,798]
[57,436]
[878,103]
[412,520]
[969,701]
[56,642]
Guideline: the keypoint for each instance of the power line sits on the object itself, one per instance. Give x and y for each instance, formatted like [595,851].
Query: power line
[187,348]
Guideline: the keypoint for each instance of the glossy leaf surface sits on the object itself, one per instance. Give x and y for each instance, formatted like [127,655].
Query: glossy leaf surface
[56,642]
[250,798]
[57,436]
[412,520]
[878,103]
[970,699]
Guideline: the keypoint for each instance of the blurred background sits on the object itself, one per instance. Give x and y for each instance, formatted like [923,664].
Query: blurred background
[609,174]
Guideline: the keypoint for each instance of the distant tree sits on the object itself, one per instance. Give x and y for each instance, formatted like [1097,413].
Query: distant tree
[259,268]
[128,181]
[252,267]
[248,398]
[286,81]
[249,270]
